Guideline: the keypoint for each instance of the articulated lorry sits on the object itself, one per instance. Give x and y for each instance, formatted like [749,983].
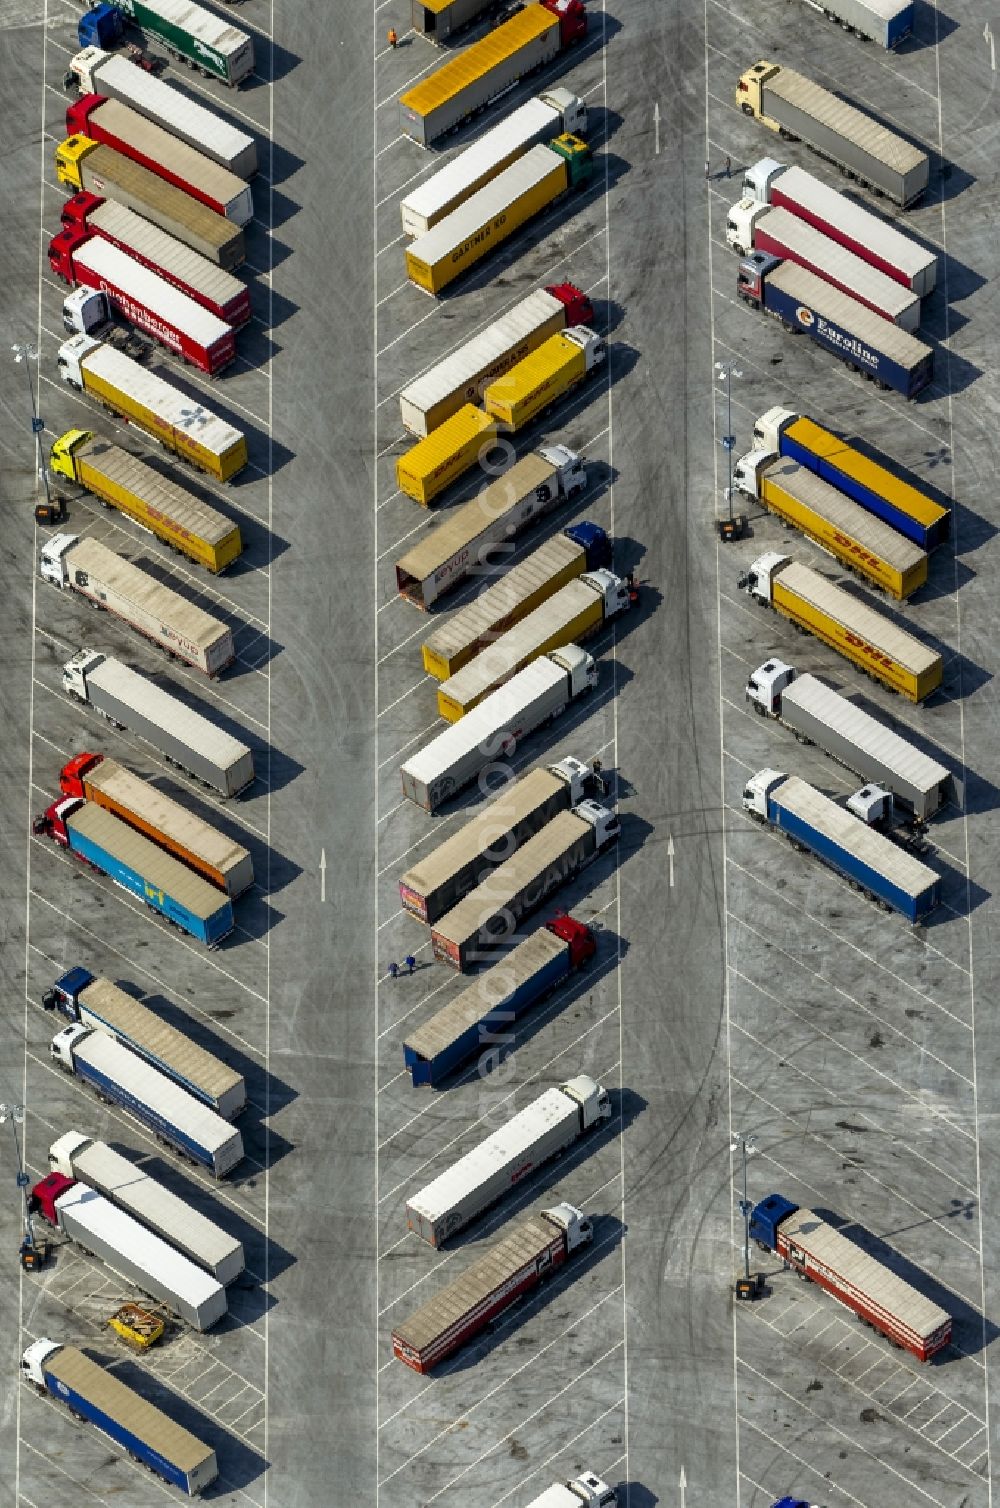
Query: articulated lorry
[102,1006]
[797,109]
[185,738]
[587,1491]
[199,845]
[108,581]
[437,20]
[821,1252]
[536,695]
[200,38]
[175,1117]
[430,466]
[129,1249]
[151,1203]
[180,424]
[817,714]
[872,642]
[869,345]
[536,1247]
[873,487]
[496,211]
[859,540]
[97,838]
[566,557]
[869,861]
[475,538]
[464,376]
[489,68]
[538,120]
[543,1129]
[543,376]
[92,1392]
[886,22]
[478,1020]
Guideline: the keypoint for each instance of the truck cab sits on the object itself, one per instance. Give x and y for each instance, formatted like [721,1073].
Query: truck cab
[579,161]
[578,1229]
[613,590]
[605,823]
[570,107]
[65,993]
[71,354]
[752,275]
[33,1360]
[43,1197]
[759,580]
[874,805]
[572,19]
[86,311]
[581,778]
[100,26]
[76,671]
[759,176]
[582,942]
[588,1491]
[764,688]
[571,470]
[594,540]
[746,472]
[578,665]
[748,92]
[68,156]
[768,429]
[61,462]
[592,1098]
[82,66]
[765,1218]
[52,822]
[740,223]
[52,560]
[62,1044]
[593,346]
[757,790]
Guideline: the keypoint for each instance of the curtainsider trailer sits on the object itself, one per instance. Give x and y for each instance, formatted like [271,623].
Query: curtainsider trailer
[848,625]
[92,1392]
[463,376]
[857,539]
[886,22]
[908,510]
[433,464]
[536,1247]
[543,376]
[174,1116]
[797,109]
[870,862]
[563,558]
[543,1129]
[202,39]
[151,1203]
[104,1007]
[534,696]
[819,1251]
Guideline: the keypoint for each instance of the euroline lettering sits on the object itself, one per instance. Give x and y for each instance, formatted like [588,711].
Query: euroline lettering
[869,649]
[845,342]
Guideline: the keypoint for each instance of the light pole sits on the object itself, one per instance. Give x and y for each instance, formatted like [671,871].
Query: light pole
[15,1114]
[727,370]
[742,1141]
[23,350]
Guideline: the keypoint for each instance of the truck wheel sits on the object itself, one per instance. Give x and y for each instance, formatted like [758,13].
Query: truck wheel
[77,1415]
[747,109]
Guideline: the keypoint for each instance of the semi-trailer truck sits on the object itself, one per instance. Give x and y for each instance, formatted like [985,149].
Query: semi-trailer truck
[752,226]
[83,164]
[463,376]
[869,861]
[803,302]
[797,109]
[496,211]
[151,1203]
[819,1251]
[93,835]
[463,543]
[479,1019]
[430,466]
[205,41]
[886,22]
[180,424]
[583,547]
[880,491]
[872,642]
[110,582]
[129,1249]
[145,299]
[101,1005]
[534,696]
[537,120]
[587,1491]
[543,376]
[171,1113]
[544,1128]
[439,19]
[218,291]
[839,525]
[489,68]
[435,884]
[575,611]
[116,77]
[536,1247]
[487,917]
[184,737]
[92,1392]
[817,714]
[215,856]
[845,221]
[134,135]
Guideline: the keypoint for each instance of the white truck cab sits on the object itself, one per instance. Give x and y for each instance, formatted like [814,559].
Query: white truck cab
[578,665]
[33,1360]
[578,776]
[769,427]
[571,469]
[757,790]
[62,1044]
[87,311]
[71,354]
[570,107]
[76,671]
[579,1230]
[759,176]
[759,580]
[873,804]
[593,346]
[740,222]
[613,590]
[83,65]
[764,688]
[52,560]
[593,1099]
[606,824]
[746,472]
[587,1490]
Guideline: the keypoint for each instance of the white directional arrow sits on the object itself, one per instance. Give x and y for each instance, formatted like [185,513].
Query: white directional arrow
[670,858]
[683,1486]
[322,874]
[656,123]
[988,36]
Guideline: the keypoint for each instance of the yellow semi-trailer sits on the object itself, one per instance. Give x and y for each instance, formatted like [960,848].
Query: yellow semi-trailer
[180,424]
[495,212]
[122,481]
[432,464]
[856,538]
[856,631]
[543,376]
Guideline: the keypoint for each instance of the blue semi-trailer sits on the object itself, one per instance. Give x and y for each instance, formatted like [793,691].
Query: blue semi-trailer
[805,304]
[871,862]
[93,1393]
[163,883]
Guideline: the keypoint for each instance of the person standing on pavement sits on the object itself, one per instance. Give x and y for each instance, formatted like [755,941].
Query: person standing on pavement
[392,37]
[393,970]
[410,962]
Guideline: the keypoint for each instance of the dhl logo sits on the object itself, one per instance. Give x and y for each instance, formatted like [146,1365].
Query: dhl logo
[878,655]
[852,547]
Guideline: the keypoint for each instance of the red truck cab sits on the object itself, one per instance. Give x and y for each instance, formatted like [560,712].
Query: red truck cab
[52,822]
[61,250]
[76,210]
[44,1195]
[572,19]
[579,309]
[72,775]
[582,942]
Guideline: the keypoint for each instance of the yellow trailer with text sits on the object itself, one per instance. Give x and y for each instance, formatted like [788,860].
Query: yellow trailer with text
[430,465]
[563,361]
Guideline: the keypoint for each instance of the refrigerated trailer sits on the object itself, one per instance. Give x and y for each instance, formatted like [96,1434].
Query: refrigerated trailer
[887,22]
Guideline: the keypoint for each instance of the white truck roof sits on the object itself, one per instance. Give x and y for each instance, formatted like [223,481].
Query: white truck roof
[182,262]
[175,408]
[163,710]
[866,283]
[843,828]
[152,291]
[476,354]
[175,110]
[494,198]
[469,166]
[866,732]
[854,220]
[132,584]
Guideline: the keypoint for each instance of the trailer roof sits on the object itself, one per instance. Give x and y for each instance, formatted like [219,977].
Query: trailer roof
[454,371]
[428,455]
[135,585]
[175,504]
[838,262]
[856,615]
[137,795]
[149,240]
[842,827]
[153,292]
[200,23]
[165,711]
[494,146]
[494,198]
[846,120]
[523,641]
[856,725]
[143,856]
[479,59]
[133,1019]
[848,516]
[109,169]
[853,463]
[156,142]
[863,323]
[462,526]
[176,110]
[854,219]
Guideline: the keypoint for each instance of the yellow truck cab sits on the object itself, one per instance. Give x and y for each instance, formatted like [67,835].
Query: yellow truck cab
[748,92]
[69,154]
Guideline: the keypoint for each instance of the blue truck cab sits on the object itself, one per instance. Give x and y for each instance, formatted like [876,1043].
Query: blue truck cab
[65,994]
[101,26]
[593,539]
[765,1218]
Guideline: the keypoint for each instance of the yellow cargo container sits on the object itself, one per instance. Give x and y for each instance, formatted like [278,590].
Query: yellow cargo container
[900,495]
[430,465]
[542,377]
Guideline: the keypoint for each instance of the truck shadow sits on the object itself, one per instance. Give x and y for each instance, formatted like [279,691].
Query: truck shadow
[945,576]
[608,315]
[270,308]
[602,125]
[276,162]
[638,1496]
[930,27]
[271,61]
[260,544]
[952,373]
[272,871]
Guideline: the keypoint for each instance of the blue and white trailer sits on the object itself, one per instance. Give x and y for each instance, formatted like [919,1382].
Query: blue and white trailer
[804,303]
[91,1392]
[135,863]
[869,861]
[172,1114]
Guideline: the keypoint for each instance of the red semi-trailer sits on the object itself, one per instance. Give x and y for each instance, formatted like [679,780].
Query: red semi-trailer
[144,299]
[212,287]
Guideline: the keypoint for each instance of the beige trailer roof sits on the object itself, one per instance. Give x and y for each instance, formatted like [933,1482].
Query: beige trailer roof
[139,182]
[855,615]
[478,616]
[159,144]
[878,537]
[177,506]
[852,722]
[845,119]
[164,711]
[141,854]
[161,811]
[461,526]
[856,318]
[158,1038]
[134,585]
[522,642]
[166,401]
[848,831]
